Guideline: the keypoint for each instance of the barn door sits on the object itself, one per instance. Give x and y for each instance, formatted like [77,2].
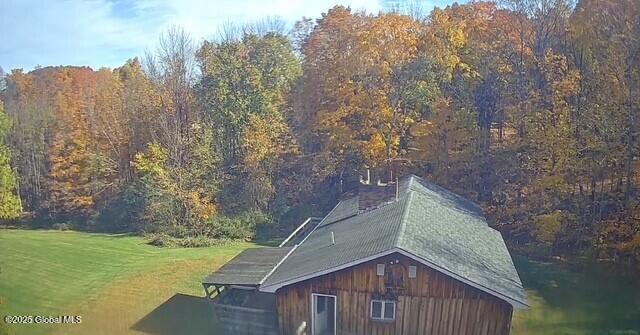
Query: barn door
[324,314]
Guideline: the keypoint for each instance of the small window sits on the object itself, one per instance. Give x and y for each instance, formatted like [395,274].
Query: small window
[412,271]
[380,269]
[376,309]
[389,310]
[384,310]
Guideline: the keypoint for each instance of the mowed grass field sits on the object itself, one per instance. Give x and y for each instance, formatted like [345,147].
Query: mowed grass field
[117,283]
[578,299]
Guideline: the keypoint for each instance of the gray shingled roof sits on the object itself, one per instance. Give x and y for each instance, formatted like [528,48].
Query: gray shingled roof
[344,209]
[249,267]
[436,226]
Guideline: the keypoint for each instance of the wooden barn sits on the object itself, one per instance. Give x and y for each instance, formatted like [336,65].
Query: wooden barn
[398,258]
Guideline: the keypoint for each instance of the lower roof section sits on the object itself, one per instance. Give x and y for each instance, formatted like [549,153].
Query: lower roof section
[249,267]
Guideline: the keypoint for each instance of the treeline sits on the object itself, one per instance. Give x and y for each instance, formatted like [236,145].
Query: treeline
[529,107]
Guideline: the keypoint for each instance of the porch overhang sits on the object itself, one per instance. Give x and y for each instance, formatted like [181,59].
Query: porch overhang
[247,270]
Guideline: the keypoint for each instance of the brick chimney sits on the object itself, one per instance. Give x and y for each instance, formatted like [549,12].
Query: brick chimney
[375,190]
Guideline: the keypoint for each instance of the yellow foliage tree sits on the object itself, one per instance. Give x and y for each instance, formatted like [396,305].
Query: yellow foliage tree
[70,177]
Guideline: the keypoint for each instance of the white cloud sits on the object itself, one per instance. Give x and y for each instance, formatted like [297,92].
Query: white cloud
[202,18]
[107,32]
[36,32]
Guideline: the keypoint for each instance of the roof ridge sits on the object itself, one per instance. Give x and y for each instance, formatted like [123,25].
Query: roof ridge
[440,191]
[410,184]
[403,221]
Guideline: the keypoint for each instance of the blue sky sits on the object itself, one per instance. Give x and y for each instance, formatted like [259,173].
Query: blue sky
[101,33]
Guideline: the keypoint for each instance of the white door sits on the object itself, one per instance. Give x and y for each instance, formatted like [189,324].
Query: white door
[324,314]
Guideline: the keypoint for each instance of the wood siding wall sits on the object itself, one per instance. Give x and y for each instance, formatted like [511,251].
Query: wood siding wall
[432,303]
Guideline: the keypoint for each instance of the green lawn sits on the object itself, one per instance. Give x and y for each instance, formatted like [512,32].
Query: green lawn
[118,284]
[578,299]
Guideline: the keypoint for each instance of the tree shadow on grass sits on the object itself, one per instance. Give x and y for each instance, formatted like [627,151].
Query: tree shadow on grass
[181,314]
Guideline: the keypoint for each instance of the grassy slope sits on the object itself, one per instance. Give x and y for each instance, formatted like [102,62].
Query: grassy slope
[120,286]
[578,299]
[114,282]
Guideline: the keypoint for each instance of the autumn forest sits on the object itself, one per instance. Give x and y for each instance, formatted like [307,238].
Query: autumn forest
[531,108]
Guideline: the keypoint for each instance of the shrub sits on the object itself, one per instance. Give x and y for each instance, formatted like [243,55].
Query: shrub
[199,241]
[548,227]
[122,213]
[161,240]
[62,226]
[240,227]
[215,231]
